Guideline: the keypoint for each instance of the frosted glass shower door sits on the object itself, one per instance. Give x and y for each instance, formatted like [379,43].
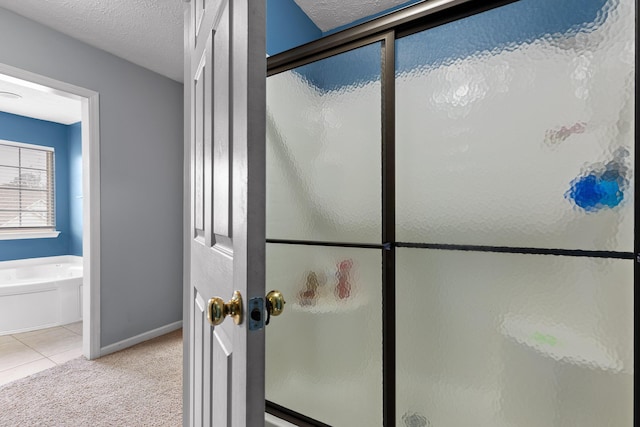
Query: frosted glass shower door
[323,149]
[514,184]
[324,249]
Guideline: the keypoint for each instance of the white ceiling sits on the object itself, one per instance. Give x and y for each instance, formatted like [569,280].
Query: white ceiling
[330,14]
[38,102]
[146,32]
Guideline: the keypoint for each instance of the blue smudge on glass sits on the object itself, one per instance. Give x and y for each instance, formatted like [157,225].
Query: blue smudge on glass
[596,191]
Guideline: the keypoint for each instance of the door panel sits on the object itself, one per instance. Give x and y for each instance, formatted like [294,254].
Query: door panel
[201,120]
[326,349]
[226,362]
[324,132]
[515,128]
[526,340]
[221,137]
[222,359]
[515,138]
[324,144]
[197,365]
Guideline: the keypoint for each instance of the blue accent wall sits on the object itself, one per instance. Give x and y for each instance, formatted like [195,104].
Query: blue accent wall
[288,26]
[75,188]
[41,132]
[499,29]
[351,68]
[502,28]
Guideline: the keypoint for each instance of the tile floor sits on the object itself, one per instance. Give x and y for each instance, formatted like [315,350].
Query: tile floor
[25,354]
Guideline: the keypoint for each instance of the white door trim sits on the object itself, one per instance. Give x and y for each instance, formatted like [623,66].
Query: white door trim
[90,201]
[187,223]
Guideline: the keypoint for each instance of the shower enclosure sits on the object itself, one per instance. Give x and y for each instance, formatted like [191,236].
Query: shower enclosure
[450,217]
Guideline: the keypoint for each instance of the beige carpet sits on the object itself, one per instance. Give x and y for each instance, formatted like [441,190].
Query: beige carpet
[139,386]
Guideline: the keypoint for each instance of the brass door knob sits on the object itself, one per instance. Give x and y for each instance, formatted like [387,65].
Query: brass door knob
[217,309]
[275,304]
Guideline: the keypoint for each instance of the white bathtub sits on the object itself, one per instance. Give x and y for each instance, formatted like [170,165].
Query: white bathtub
[40,293]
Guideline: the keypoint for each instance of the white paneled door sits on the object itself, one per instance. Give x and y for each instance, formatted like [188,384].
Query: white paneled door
[225,74]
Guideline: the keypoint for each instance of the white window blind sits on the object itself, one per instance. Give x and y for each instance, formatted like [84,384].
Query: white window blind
[27,199]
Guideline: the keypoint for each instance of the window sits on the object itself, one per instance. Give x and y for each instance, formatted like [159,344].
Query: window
[27,199]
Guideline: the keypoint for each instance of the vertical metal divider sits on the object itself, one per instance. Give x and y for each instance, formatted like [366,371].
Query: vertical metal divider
[388,231]
[636,269]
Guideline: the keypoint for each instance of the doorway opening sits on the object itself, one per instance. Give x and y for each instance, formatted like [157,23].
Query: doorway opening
[81,213]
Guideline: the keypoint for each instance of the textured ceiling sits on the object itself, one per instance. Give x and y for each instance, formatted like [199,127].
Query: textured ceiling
[149,32]
[146,32]
[329,14]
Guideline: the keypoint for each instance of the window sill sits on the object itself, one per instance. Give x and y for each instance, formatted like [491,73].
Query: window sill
[19,235]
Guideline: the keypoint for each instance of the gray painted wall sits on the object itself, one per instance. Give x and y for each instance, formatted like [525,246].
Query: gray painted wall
[141,132]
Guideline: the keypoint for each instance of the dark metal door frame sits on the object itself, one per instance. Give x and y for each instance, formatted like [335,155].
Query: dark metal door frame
[387,29]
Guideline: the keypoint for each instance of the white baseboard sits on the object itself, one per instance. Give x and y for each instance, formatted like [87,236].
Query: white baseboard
[129,342]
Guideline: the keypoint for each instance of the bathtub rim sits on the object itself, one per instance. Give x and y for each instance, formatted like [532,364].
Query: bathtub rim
[25,262]
[72,260]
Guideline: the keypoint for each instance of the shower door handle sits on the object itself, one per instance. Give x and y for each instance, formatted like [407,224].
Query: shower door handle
[275,304]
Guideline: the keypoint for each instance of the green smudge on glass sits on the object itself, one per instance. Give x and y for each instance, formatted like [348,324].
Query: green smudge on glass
[545,338]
